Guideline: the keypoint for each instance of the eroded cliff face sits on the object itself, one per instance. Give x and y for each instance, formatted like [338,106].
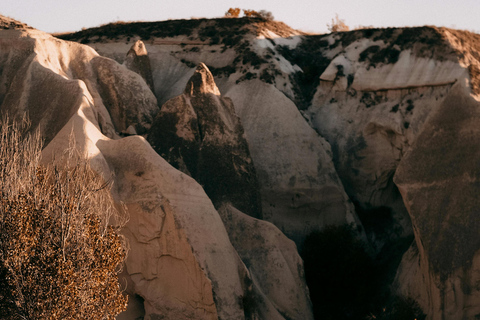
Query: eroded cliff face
[438,181]
[181,264]
[299,187]
[393,107]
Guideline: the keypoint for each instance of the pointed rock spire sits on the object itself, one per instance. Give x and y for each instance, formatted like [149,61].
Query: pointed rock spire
[138,61]
[201,82]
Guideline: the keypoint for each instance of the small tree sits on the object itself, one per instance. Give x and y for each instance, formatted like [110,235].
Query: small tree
[232,13]
[337,25]
[250,13]
[267,15]
[59,257]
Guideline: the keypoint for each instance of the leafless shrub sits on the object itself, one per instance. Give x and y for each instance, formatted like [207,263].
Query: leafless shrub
[59,256]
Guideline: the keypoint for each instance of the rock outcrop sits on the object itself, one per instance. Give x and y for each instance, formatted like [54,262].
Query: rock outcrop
[300,189]
[280,286]
[371,102]
[138,61]
[46,77]
[199,133]
[438,180]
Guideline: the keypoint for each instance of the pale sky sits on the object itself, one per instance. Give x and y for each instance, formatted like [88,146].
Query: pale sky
[306,15]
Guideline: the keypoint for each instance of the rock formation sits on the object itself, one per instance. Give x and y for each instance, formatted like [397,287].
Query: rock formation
[299,187]
[438,181]
[260,243]
[181,264]
[200,134]
[375,128]
[138,61]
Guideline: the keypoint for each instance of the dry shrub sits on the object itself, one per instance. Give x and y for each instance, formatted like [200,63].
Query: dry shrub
[232,13]
[59,256]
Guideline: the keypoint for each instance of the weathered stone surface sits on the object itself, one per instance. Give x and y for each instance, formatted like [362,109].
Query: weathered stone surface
[274,265]
[126,98]
[377,100]
[372,101]
[300,189]
[138,61]
[199,133]
[44,76]
[438,180]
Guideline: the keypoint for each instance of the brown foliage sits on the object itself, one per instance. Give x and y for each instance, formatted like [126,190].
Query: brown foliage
[233,12]
[263,14]
[59,257]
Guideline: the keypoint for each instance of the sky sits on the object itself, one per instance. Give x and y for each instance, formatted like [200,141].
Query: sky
[306,15]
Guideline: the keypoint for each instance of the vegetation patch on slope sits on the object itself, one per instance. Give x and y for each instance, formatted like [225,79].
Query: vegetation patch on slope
[467,46]
[9,23]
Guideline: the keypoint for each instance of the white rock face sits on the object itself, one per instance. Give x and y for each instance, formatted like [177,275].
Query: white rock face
[300,189]
[111,86]
[370,106]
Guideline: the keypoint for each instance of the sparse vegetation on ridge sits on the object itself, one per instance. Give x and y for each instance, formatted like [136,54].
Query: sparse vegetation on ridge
[337,25]
[59,257]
